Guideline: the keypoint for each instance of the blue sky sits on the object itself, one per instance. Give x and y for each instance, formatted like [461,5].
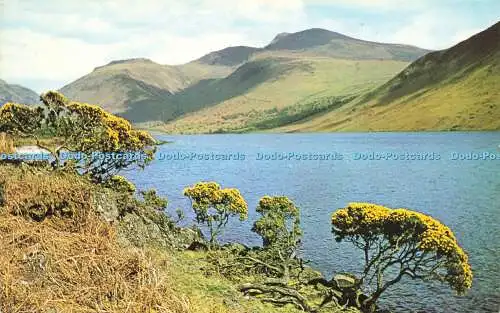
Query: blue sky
[47,44]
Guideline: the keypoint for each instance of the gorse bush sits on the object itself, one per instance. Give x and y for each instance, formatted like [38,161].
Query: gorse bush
[214,206]
[398,242]
[120,184]
[83,128]
[279,223]
[279,228]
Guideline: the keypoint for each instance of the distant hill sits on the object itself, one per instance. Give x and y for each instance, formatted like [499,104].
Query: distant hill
[231,56]
[125,84]
[296,66]
[323,42]
[272,90]
[119,83]
[452,89]
[17,93]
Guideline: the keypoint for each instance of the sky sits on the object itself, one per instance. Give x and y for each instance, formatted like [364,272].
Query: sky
[47,44]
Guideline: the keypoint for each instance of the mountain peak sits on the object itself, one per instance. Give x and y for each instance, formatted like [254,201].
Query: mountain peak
[304,39]
[230,56]
[279,37]
[127,61]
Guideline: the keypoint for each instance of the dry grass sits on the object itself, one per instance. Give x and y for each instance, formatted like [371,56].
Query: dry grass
[46,269]
[70,262]
[6,144]
[36,193]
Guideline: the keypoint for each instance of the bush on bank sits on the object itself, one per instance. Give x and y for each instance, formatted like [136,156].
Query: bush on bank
[52,201]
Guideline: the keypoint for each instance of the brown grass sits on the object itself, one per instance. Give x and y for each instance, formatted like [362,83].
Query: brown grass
[53,266]
[38,194]
[45,269]
[6,144]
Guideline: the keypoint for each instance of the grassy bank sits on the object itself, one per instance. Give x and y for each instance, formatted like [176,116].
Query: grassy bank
[66,249]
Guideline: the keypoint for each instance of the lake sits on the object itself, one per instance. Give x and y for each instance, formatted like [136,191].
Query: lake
[452,176]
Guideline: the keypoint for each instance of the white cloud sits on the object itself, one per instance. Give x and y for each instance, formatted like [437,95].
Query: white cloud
[30,55]
[386,5]
[431,30]
[61,40]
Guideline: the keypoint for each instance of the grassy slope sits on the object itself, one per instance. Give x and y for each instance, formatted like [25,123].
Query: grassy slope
[272,82]
[451,89]
[211,294]
[239,78]
[118,85]
[77,263]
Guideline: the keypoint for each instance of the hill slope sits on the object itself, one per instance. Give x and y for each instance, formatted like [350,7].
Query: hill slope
[144,91]
[274,90]
[17,93]
[231,56]
[452,89]
[317,41]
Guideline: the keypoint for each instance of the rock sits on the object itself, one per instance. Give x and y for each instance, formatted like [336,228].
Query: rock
[31,150]
[346,280]
[141,232]
[106,204]
[197,246]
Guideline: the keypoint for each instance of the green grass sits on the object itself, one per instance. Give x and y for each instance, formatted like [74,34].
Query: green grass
[463,102]
[214,293]
[280,89]
[452,89]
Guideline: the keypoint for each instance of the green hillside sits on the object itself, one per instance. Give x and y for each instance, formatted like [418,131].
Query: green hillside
[272,91]
[17,93]
[452,89]
[249,84]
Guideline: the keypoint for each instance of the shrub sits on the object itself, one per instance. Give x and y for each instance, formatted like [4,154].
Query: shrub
[279,223]
[120,184]
[402,243]
[83,128]
[214,206]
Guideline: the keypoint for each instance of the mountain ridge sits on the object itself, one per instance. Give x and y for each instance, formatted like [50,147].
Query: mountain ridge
[450,89]
[17,93]
[131,87]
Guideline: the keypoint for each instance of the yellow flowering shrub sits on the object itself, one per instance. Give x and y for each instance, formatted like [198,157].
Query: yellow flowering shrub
[121,184]
[279,223]
[214,206]
[83,128]
[407,242]
[20,119]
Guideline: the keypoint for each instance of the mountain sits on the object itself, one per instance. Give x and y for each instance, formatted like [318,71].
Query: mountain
[269,91]
[323,42]
[119,83]
[452,89]
[231,56]
[123,84]
[247,84]
[17,93]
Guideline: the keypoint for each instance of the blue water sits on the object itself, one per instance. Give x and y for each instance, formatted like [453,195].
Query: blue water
[464,194]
